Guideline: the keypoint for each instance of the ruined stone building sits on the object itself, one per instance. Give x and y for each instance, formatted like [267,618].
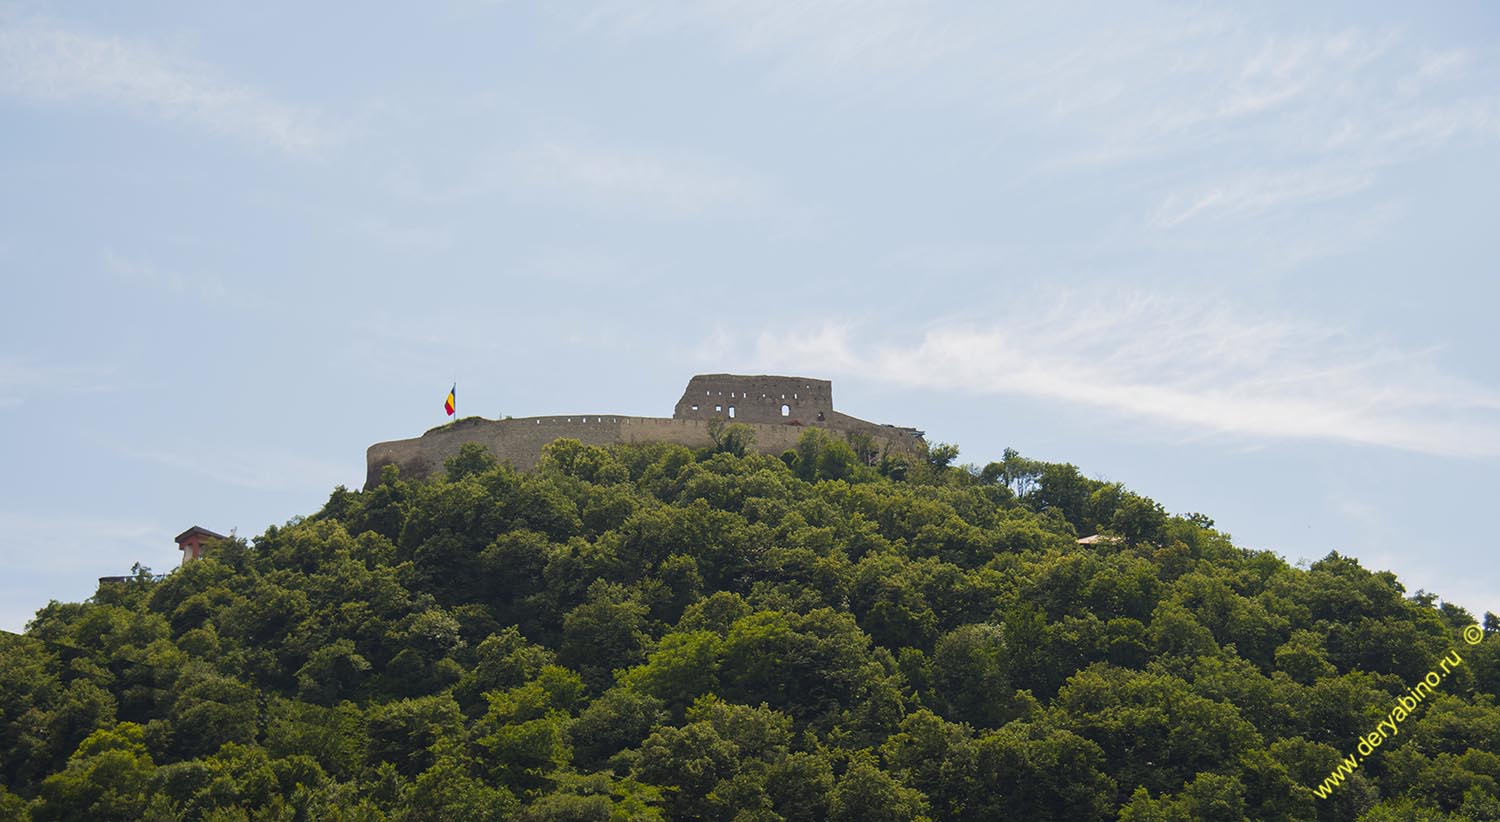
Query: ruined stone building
[777,408]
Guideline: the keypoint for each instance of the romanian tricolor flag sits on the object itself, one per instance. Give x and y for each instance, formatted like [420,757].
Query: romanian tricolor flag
[451,404]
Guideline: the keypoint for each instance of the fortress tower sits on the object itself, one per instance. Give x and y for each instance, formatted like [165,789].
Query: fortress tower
[762,399]
[777,409]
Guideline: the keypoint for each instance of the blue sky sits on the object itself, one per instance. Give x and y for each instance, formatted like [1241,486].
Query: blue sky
[1239,258]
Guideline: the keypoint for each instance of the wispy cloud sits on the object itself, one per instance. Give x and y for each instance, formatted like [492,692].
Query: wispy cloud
[1328,116]
[1194,367]
[404,237]
[1257,193]
[597,175]
[44,62]
[60,556]
[258,470]
[1254,118]
[21,376]
[644,182]
[31,541]
[204,287]
[805,41]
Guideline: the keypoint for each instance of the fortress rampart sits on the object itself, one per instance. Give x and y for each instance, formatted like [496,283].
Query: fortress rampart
[756,401]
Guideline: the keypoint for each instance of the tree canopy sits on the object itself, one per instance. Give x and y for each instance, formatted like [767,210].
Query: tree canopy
[648,632]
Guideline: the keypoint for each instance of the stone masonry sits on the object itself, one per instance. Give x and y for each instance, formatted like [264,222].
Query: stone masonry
[778,409]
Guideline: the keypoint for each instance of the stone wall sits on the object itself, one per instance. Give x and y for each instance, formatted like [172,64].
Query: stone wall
[763,398]
[757,402]
[519,441]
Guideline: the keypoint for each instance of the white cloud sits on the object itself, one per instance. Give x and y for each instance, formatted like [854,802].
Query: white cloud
[259,470]
[1193,367]
[639,181]
[43,62]
[204,287]
[1258,193]
[589,174]
[61,556]
[97,545]
[814,40]
[406,237]
[21,377]
[1254,118]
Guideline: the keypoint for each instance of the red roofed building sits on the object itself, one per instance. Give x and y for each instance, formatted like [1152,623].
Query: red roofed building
[194,541]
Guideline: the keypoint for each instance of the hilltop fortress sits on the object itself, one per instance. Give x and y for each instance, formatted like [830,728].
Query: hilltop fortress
[778,409]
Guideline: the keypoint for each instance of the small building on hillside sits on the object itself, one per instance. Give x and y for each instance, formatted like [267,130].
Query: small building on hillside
[194,540]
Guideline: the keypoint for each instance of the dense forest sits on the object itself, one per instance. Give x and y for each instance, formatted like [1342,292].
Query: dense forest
[648,632]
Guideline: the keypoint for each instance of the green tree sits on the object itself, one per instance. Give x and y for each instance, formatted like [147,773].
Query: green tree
[735,439]
[472,459]
[690,762]
[684,666]
[865,793]
[210,711]
[808,665]
[604,633]
[941,455]
[969,675]
[404,731]
[450,790]
[1028,771]
[1138,520]
[332,673]
[620,718]
[596,798]
[106,778]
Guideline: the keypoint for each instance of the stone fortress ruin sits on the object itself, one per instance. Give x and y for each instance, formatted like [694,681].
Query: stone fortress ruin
[777,408]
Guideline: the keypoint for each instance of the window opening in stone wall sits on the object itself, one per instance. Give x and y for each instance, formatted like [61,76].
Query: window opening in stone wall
[695,406]
[786,410]
[718,408]
[820,416]
[731,412]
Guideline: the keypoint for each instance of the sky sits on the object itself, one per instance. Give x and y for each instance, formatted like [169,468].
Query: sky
[1239,257]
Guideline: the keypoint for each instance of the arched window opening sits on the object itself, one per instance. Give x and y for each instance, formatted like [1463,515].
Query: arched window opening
[786,410]
[731,412]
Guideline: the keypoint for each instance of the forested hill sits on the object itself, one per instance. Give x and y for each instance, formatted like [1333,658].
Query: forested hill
[648,632]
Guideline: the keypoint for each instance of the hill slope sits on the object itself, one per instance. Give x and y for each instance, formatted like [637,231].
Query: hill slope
[648,632]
